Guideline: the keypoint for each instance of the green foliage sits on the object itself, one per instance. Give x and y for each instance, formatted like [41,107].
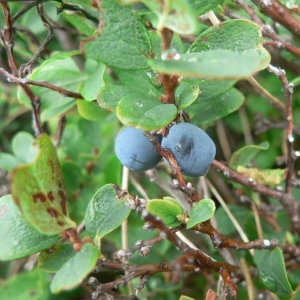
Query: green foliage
[53,261]
[215,64]
[201,212]
[28,285]
[148,64]
[98,219]
[39,191]
[145,112]
[124,35]
[23,240]
[272,271]
[244,155]
[168,209]
[73,271]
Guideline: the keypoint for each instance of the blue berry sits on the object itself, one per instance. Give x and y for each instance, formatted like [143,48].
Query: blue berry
[135,151]
[194,150]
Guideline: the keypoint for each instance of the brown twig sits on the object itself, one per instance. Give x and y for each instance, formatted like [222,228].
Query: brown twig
[279,13]
[26,68]
[267,30]
[169,81]
[133,271]
[221,241]
[285,199]
[25,81]
[288,90]
[72,235]
[197,257]
[167,153]
[6,37]
[60,130]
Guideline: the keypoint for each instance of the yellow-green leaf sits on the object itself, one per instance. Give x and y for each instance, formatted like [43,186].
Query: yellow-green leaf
[39,190]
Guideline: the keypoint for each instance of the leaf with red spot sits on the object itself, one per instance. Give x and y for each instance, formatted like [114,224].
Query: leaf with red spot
[39,190]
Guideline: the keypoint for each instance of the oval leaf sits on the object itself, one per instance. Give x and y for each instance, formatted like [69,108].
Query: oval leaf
[92,85]
[234,35]
[52,261]
[165,209]
[23,149]
[27,285]
[74,271]
[109,96]
[270,177]
[39,191]
[188,96]
[22,239]
[201,212]
[272,271]
[215,64]
[145,112]
[206,112]
[244,155]
[124,42]
[105,212]
[91,110]
[176,15]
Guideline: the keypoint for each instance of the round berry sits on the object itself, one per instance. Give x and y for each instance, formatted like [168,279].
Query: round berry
[194,150]
[135,151]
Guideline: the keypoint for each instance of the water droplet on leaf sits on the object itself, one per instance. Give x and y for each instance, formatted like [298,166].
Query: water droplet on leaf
[170,54]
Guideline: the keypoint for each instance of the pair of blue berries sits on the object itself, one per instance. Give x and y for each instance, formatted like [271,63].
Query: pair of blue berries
[194,150]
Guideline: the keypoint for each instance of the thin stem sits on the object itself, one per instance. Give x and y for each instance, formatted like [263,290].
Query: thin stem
[288,90]
[279,13]
[124,227]
[6,37]
[24,81]
[60,130]
[285,199]
[230,215]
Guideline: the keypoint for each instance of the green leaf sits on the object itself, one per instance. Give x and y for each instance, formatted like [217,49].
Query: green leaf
[74,271]
[62,72]
[91,110]
[176,15]
[18,238]
[234,35]
[270,177]
[8,161]
[92,85]
[145,112]
[187,96]
[203,6]
[130,79]
[22,145]
[39,191]
[241,213]
[272,271]
[183,297]
[124,42]
[215,64]
[209,89]
[80,22]
[105,212]
[109,96]
[52,261]
[167,210]
[244,155]
[201,212]
[206,112]
[28,285]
